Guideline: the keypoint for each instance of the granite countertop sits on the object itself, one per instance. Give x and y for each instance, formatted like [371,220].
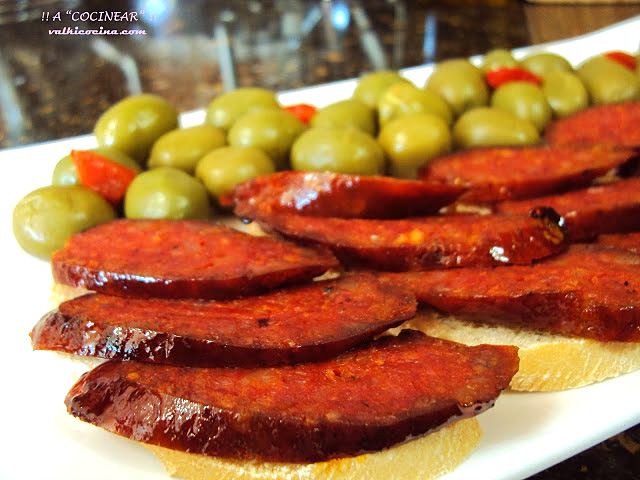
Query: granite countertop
[56,86]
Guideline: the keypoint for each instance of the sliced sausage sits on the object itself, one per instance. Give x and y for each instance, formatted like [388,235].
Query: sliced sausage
[428,242]
[340,195]
[605,125]
[364,400]
[589,291]
[508,173]
[298,324]
[626,241]
[182,259]
[610,208]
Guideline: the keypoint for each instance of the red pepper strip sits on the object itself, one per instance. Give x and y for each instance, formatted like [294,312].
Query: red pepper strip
[303,111]
[623,58]
[105,177]
[500,76]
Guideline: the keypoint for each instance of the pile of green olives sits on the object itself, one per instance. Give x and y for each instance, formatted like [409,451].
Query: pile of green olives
[389,126]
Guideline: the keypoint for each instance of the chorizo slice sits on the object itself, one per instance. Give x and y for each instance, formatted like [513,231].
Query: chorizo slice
[589,291]
[299,324]
[610,208]
[428,242]
[182,259]
[509,173]
[340,195]
[395,389]
[601,125]
[626,241]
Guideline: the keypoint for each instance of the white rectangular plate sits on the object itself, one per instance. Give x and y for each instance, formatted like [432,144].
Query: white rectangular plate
[523,434]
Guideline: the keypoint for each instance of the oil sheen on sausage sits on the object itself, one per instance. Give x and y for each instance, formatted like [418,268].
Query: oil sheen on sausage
[589,212]
[324,194]
[182,259]
[304,323]
[374,397]
[590,291]
[429,242]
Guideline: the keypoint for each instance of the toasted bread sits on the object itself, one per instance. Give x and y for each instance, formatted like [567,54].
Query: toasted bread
[548,362]
[427,457]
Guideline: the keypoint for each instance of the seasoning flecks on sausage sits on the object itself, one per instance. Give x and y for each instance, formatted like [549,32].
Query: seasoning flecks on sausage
[365,400]
[182,259]
[590,291]
[509,173]
[324,194]
[589,212]
[427,242]
[304,323]
[615,125]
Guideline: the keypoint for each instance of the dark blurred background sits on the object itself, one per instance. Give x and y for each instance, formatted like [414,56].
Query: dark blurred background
[56,86]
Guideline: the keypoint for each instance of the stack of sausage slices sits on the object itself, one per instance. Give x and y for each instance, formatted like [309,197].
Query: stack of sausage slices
[361,333]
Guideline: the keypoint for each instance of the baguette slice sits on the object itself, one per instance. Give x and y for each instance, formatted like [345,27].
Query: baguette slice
[425,458]
[548,362]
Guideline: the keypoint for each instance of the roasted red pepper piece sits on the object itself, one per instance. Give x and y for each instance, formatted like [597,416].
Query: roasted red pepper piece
[303,111]
[105,177]
[503,75]
[623,58]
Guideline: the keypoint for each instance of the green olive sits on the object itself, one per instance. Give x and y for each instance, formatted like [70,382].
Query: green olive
[340,150]
[412,141]
[166,192]
[461,85]
[404,99]
[607,81]
[223,168]
[565,93]
[371,86]
[182,148]
[272,131]
[65,173]
[133,124]
[347,113]
[525,100]
[485,127]
[225,109]
[498,58]
[45,218]
[541,64]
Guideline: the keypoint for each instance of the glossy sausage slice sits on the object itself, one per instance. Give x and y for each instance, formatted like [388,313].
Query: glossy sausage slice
[364,400]
[590,291]
[299,324]
[182,259]
[340,195]
[605,125]
[429,242]
[506,173]
[626,241]
[611,208]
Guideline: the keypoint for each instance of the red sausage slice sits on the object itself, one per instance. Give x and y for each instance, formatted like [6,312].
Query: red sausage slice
[182,259]
[627,241]
[506,173]
[605,124]
[611,208]
[299,324]
[339,195]
[362,401]
[429,242]
[589,291]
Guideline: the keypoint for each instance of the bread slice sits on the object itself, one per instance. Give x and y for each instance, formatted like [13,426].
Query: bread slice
[425,458]
[548,362]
